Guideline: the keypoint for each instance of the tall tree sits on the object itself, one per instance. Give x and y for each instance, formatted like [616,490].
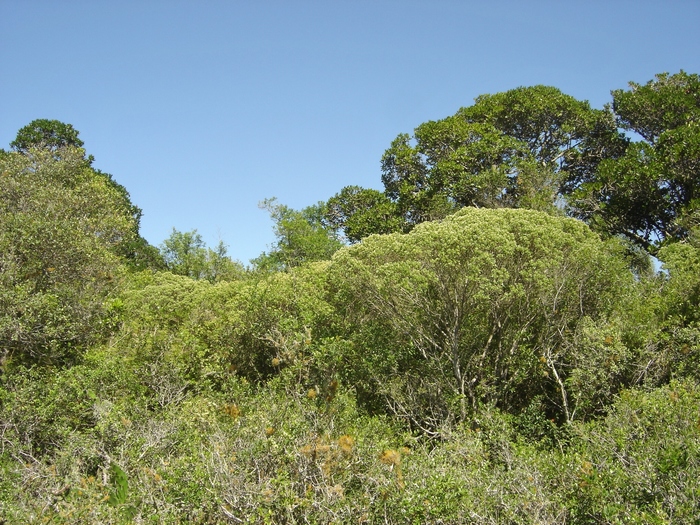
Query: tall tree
[54,136]
[519,148]
[59,227]
[485,306]
[650,194]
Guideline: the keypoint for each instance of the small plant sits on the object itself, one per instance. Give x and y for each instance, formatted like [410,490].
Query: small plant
[119,491]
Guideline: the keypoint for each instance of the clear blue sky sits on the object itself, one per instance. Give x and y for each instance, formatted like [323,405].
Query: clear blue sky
[204,108]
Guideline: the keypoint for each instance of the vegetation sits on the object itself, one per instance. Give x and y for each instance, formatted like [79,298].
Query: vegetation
[488,340]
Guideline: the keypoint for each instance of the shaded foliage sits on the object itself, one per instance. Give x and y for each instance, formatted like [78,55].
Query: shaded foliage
[359,212]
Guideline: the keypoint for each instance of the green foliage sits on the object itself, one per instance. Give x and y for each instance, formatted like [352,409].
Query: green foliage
[679,334]
[160,317]
[525,113]
[483,307]
[204,334]
[120,485]
[648,193]
[665,103]
[52,135]
[538,148]
[278,455]
[301,237]
[682,260]
[56,138]
[455,163]
[261,328]
[519,148]
[133,249]
[59,225]
[360,212]
[474,370]
[187,254]
[640,464]
[139,255]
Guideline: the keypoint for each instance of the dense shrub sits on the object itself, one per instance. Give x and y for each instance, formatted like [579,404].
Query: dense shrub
[487,306]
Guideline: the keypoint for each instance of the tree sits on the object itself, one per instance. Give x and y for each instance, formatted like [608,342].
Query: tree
[649,193]
[301,237]
[549,123]
[453,164]
[481,308]
[59,227]
[47,134]
[136,251]
[54,136]
[519,148]
[359,212]
[187,254]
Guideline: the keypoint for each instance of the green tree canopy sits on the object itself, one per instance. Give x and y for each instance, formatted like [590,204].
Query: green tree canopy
[528,147]
[59,227]
[301,236]
[519,148]
[187,254]
[47,134]
[650,194]
[54,137]
[359,212]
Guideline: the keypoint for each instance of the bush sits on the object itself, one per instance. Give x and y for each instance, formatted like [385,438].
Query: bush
[487,306]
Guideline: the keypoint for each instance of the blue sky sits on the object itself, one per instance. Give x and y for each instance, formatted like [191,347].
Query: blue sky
[203,109]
